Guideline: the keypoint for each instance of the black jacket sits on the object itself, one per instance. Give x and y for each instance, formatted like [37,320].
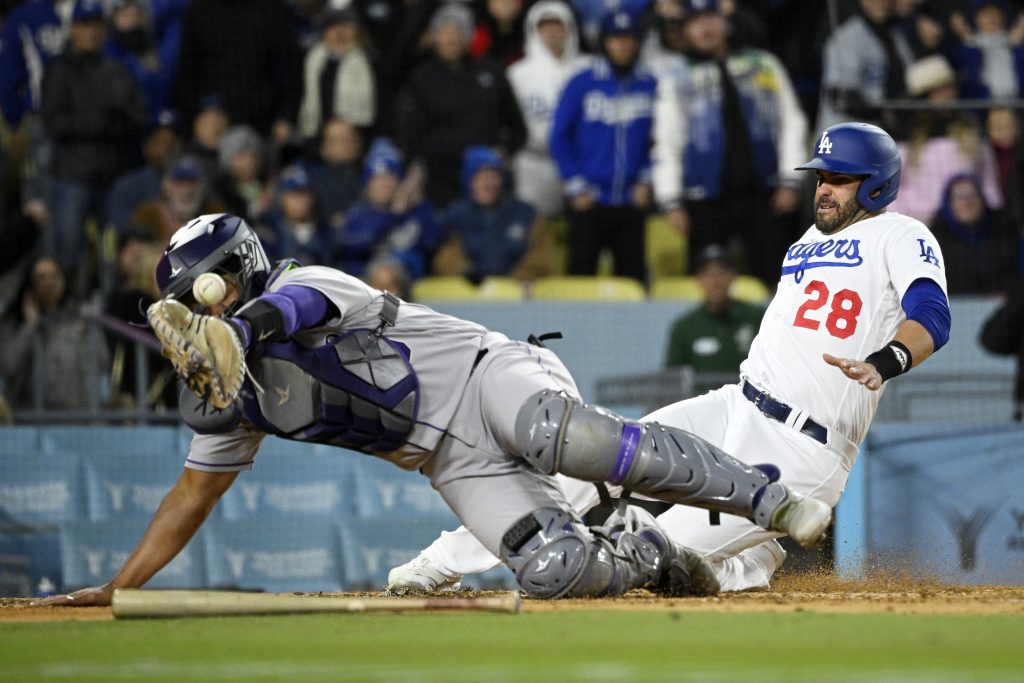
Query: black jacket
[443,110]
[95,112]
[246,53]
[1003,333]
[980,264]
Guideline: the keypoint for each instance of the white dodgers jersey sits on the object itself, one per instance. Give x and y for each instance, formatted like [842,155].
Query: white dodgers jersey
[839,294]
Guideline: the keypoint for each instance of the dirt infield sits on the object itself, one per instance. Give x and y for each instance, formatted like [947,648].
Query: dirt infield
[812,593]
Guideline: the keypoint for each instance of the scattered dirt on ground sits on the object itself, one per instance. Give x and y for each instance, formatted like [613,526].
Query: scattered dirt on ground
[809,592]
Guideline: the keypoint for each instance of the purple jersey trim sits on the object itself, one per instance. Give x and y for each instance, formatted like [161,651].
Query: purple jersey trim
[213,464]
[627,450]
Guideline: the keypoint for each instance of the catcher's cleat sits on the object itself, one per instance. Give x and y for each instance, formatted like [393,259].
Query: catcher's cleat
[420,575]
[804,519]
[684,572]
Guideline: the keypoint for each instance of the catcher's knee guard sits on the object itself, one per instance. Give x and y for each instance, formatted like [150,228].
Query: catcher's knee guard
[557,433]
[555,556]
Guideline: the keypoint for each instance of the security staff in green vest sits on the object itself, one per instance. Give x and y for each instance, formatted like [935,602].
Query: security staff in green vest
[716,336]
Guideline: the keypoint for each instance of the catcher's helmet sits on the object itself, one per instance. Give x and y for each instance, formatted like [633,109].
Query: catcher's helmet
[213,243]
[861,149]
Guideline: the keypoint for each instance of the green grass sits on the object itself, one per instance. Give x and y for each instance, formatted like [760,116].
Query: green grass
[591,646]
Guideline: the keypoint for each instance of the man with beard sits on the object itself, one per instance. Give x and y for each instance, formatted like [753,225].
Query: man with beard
[728,132]
[859,279]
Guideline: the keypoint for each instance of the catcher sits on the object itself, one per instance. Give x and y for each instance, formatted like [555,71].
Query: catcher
[312,354]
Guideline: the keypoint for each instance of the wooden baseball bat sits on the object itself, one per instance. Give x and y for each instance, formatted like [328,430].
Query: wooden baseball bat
[136,603]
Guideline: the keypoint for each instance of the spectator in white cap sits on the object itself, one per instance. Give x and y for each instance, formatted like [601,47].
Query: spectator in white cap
[940,144]
[552,57]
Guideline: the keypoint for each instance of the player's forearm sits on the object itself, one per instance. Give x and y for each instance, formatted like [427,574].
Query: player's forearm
[181,513]
[916,338]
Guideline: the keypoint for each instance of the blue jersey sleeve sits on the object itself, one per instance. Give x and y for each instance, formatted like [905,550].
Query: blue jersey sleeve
[924,302]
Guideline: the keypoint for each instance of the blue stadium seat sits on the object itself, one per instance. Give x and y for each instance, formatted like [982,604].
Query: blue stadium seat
[40,489]
[129,485]
[385,489]
[371,546]
[315,481]
[93,551]
[298,553]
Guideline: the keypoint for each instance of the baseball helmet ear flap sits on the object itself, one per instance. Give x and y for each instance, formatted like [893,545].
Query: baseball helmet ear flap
[861,149]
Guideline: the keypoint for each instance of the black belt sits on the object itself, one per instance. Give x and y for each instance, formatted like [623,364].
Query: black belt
[780,412]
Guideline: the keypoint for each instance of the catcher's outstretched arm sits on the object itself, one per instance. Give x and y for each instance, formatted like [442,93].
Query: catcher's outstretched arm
[181,513]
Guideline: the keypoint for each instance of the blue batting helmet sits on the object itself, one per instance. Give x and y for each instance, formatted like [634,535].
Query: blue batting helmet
[213,243]
[861,149]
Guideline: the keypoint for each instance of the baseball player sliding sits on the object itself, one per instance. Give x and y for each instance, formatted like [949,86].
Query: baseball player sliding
[315,355]
[861,300]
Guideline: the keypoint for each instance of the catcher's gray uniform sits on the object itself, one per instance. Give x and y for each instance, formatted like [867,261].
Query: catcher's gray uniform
[466,423]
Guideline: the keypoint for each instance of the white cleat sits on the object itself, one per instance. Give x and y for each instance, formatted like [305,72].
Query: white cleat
[420,575]
[803,519]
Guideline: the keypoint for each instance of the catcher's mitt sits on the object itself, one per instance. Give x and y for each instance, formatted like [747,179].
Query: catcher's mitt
[205,351]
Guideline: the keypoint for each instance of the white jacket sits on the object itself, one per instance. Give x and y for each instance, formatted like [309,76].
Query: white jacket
[538,78]
[688,122]
[354,91]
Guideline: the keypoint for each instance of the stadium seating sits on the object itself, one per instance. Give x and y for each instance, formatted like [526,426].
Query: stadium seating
[677,288]
[744,288]
[585,288]
[750,289]
[665,250]
[461,289]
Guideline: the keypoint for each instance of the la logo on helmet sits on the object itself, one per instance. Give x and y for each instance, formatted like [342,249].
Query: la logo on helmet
[825,145]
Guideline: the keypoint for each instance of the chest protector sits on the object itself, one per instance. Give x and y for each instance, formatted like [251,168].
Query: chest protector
[358,390]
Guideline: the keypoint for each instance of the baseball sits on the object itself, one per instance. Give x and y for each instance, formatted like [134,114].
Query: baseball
[209,289]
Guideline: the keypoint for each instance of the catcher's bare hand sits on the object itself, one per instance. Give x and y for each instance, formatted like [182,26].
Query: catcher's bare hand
[205,351]
[857,370]
[98,596]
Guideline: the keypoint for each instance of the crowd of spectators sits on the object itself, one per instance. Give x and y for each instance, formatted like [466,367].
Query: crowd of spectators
[397,139]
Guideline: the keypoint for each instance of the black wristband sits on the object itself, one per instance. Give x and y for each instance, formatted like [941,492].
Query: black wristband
[891,360]
[265,321]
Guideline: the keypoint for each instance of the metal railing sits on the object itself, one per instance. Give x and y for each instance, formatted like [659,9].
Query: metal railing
[146,387]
